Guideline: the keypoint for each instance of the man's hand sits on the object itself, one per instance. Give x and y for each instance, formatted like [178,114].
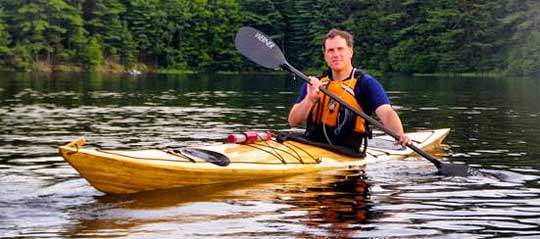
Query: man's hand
[313,89]
[403,139]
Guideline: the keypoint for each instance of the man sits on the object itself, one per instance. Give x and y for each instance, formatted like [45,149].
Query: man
[327,121]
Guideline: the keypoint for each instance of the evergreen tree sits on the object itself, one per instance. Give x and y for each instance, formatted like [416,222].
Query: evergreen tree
[27,24]
[147,22]
[94,53]
[197,49]
[524,56]
[411,51]
[374,24]
[265,16]
[19,58]
[465,34]
[102,20]
[306,33]
[5,38]
[178,33]
[75,36]
[128,48]
[224,23]
[41,25]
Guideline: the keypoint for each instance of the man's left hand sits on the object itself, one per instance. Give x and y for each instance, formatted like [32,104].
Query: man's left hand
[403,140]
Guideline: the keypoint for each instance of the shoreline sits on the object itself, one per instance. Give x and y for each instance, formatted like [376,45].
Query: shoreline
[110,67]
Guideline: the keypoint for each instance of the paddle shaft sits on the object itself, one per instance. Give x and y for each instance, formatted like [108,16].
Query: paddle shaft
[366,117]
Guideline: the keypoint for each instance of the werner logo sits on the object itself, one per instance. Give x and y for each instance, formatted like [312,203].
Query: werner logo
[265,40]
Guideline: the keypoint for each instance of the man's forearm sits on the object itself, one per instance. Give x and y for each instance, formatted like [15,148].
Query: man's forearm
[390,118]
[299,112]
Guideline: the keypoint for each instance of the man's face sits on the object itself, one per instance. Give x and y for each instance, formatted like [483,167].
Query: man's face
[337,54]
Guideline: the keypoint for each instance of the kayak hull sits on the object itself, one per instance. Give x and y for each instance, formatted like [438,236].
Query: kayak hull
[130,171]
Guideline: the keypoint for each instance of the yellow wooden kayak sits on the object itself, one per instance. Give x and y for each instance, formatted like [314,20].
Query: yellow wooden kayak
[130,171]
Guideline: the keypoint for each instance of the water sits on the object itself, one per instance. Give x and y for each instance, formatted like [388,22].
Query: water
[495,123]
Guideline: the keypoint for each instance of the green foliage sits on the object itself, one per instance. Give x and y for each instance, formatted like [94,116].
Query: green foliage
[413,36]
[5,38]
[42,25]
[524,56]
[405,58]
[19,58]
[102,20]
[266,16]
[128,48]
[146,21]
[94,53]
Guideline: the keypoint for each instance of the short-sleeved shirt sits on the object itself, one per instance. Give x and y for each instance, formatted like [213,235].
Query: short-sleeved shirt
[368,92]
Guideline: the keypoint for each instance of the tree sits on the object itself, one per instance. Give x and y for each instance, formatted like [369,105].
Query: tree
[466,34]
[413,48]
[75,36]
[147,20]
[5,38]
[102,20]
[224,23]
[128,48]
[178,33]
[307,30]
[265,16]
[94,53]
[42,26]
[28,23]
[524,50]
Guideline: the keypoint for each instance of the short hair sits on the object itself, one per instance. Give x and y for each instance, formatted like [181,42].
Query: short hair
[334,33]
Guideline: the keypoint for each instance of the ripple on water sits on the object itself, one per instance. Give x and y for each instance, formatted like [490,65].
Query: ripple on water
[429,108]
[41,196]
[454,205]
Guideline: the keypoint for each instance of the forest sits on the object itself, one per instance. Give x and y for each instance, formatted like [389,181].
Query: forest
[405,36]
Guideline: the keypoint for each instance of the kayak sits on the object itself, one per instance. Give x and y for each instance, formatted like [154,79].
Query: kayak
[131,171]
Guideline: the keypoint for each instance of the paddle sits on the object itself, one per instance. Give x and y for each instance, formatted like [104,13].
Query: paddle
[259,48]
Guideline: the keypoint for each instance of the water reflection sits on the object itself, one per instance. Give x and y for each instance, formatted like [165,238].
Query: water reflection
[328,204]
[333,204]
[338,207]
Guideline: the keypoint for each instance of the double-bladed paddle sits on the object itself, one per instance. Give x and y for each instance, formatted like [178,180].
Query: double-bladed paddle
[259,48]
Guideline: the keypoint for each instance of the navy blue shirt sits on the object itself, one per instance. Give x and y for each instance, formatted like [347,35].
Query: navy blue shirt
[368,92]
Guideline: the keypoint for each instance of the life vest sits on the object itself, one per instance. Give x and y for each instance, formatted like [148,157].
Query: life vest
[331,123]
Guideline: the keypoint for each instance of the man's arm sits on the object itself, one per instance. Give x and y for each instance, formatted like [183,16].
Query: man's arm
[300,111]
[391,120]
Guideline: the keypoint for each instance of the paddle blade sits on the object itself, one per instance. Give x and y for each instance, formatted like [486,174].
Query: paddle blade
[460,170]
[259,48]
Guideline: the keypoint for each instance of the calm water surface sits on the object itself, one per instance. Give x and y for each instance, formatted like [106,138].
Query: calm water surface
[495,122]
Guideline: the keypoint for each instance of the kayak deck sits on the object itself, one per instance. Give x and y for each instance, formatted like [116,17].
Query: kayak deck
[129,171]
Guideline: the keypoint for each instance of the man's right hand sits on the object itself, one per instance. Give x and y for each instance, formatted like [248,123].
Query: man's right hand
[313,89]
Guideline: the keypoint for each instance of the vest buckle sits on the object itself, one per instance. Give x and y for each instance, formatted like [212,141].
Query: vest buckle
[332,105]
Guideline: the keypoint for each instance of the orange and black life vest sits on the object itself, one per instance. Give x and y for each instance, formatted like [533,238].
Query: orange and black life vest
[331,123]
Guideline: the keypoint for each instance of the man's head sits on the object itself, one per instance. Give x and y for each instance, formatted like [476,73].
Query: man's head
[338,33]
[338,50]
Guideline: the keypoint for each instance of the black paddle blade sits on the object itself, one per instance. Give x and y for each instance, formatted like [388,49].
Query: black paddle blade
[206,155]
[259,48]
[460,170]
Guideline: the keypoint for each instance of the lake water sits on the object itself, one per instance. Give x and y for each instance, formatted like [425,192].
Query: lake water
[495,126]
